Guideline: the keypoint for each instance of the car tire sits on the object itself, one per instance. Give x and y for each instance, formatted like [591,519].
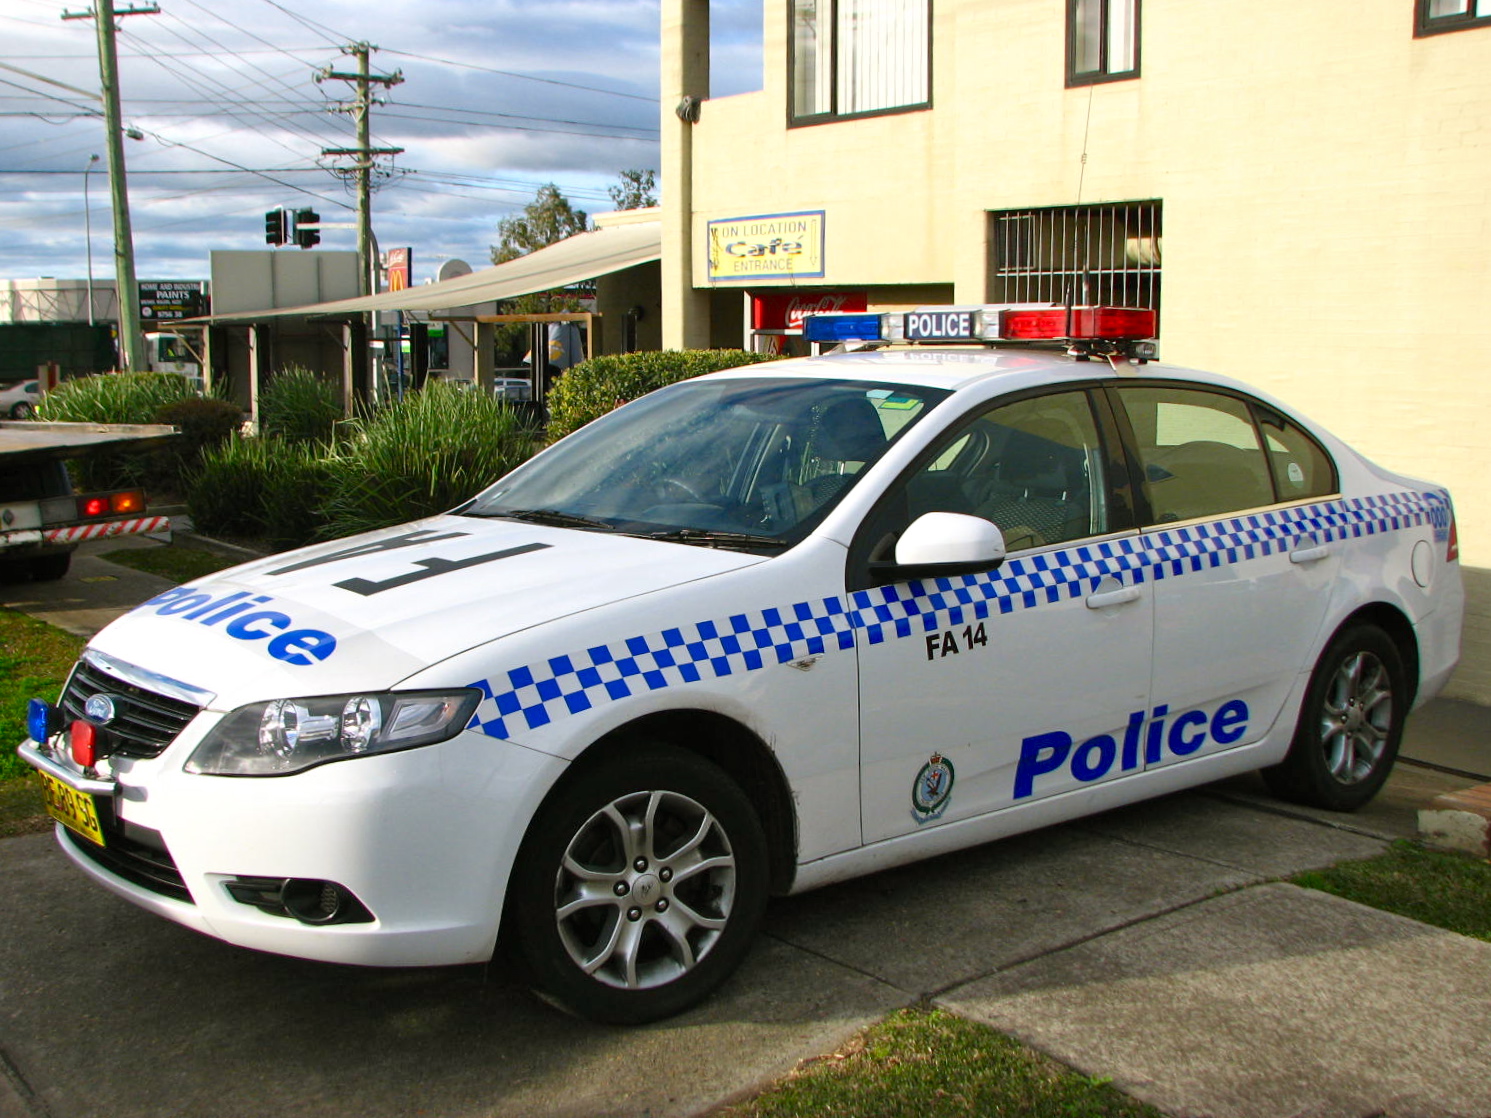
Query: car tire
[1350,724]
[639,886]
[23,410]
[49,568]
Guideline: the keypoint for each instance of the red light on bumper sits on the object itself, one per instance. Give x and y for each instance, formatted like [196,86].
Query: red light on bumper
[83,737]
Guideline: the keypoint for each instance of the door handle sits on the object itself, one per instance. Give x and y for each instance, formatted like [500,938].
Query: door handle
[1105,598]
[1309,552]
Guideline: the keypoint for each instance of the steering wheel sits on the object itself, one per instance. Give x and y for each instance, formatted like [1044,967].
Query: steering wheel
[683,486]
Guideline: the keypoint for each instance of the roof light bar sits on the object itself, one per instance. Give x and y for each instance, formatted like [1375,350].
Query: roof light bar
[1089,329]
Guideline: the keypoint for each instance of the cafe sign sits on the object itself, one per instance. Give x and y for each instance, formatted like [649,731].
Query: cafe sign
[767,246]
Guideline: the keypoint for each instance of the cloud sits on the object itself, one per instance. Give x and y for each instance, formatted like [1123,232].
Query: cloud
[222,88]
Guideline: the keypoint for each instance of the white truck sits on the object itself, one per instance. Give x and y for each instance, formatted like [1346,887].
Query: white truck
[172,353]
[42,519]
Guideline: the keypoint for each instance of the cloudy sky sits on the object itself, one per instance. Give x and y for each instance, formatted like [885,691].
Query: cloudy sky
[498,98]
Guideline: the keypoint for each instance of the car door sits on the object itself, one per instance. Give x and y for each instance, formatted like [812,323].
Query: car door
[1241,579]
[986,690]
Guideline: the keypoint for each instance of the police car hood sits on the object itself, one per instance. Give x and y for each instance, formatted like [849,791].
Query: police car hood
[369,611]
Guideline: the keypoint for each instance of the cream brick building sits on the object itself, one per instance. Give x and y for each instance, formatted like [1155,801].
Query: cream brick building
[1307,185]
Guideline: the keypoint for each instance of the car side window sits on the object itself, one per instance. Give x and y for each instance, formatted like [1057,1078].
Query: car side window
[1301,468]
[1033,467]
[1199,451]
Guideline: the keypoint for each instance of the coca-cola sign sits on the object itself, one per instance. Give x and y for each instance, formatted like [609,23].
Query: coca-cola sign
[785,310]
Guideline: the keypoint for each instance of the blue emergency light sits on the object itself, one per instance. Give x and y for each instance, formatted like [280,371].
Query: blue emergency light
[843,327]
[43,720]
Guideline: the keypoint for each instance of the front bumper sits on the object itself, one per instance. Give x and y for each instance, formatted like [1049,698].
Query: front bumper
[424,839]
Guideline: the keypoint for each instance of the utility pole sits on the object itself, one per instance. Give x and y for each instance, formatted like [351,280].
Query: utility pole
[364,153]
[132,344]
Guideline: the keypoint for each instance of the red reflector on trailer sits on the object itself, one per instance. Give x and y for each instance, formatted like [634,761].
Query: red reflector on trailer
[1059,323]
[126,502]
[83,737]
[130,501]
[1452,549]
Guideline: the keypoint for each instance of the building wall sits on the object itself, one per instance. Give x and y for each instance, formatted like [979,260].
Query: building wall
[1324,177]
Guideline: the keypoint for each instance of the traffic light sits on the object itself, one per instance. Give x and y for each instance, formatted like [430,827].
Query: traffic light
[276,227]
[307,228]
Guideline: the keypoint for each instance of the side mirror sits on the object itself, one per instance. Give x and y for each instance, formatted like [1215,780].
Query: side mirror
[942,544]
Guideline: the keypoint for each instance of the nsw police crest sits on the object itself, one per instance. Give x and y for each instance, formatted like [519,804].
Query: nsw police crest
[932,789]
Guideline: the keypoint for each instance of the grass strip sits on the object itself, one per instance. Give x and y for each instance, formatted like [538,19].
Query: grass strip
[1448,890]
[34,661]
[925,1063]
[179,564]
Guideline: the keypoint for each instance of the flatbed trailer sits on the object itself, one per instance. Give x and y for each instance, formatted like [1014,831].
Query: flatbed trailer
[42,519]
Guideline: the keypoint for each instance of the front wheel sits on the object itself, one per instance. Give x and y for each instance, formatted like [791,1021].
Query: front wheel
[639,886]
[1350,724]
[23,410]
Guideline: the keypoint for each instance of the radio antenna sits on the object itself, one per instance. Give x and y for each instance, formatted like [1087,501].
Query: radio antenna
[1077,223]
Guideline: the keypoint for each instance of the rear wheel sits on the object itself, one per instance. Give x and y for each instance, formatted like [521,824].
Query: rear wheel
[1350,724]
[22,410]
[639,886]
[49,568]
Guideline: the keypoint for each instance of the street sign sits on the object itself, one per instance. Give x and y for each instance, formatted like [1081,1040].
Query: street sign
[168,300]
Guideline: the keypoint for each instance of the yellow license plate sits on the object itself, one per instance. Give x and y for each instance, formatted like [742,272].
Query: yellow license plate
[71,808]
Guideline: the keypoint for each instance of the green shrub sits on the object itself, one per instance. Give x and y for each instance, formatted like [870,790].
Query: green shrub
[120,398]
[431,452]
[205,422]
[268,490]
[298,404]
[594,387]
[114,398]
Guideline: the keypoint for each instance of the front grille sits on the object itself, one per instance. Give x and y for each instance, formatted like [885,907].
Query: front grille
[145,721]
[135,853]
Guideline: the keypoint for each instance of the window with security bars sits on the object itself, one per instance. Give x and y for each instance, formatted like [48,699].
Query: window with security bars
[1102,41]
[1097,255]
[859,57]
[1433,16]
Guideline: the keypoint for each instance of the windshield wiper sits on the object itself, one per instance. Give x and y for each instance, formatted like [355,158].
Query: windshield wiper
[555,517]
[710,538]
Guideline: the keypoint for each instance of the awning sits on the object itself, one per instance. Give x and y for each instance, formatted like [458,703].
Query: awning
[582,257]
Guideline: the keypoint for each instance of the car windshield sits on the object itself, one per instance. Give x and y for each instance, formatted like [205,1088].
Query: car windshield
[751,463]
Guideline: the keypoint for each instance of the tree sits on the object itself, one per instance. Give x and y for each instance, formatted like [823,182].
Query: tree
[545,220]
[636,190]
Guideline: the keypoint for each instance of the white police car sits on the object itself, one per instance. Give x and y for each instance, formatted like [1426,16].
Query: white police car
[754,633]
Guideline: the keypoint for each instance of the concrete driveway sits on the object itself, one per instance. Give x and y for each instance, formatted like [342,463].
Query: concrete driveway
[110,1011]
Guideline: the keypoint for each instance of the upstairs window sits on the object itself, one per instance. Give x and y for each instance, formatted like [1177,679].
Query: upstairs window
[1102,41]
[1434,16]
[858,57]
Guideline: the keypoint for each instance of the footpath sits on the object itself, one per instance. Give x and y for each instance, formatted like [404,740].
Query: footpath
[1154,946]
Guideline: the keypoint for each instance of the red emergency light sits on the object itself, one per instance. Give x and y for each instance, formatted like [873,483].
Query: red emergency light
[83,737]
[1050,324]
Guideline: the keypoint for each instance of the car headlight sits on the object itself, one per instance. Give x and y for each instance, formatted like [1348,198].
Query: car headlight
[286,736]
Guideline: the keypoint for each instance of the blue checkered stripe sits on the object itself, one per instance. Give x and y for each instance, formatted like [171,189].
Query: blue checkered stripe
[923,607]
[535,695]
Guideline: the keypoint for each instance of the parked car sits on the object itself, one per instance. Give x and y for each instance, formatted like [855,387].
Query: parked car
[18,401]
[755,633]
[512,388]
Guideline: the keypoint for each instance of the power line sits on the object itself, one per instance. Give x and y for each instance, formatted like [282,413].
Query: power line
[512,74]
